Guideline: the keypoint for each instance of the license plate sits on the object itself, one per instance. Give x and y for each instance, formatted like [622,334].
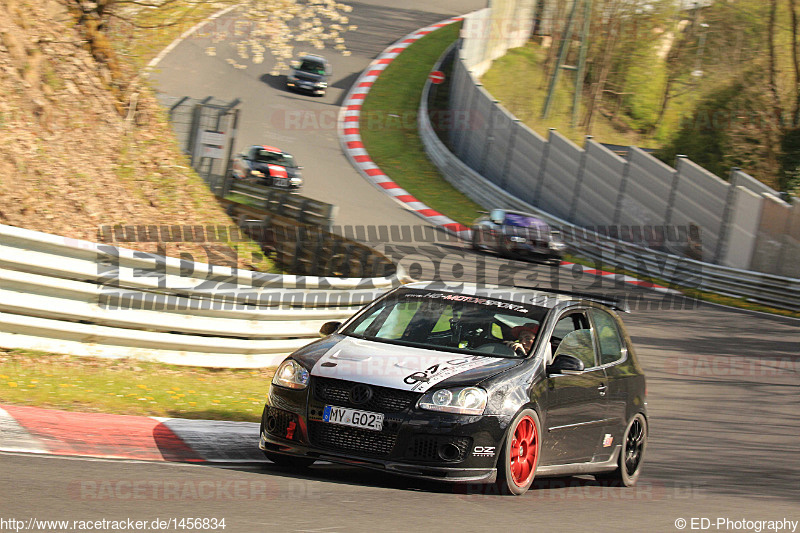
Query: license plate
[282,182]
[352,417]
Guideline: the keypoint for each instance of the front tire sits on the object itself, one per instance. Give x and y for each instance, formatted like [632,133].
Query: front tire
[475,240]
[288,461]
[520,454]
[631,457]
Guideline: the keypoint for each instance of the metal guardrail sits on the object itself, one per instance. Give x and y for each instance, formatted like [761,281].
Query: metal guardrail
[290,205]
[69,296]
[649,264]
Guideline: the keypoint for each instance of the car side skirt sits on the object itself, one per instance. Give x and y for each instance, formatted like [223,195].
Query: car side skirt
[581,468]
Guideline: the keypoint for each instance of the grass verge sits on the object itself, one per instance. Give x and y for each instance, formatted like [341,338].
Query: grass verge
[389,127]
[128,387]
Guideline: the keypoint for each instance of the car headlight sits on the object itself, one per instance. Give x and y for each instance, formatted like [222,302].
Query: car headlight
[291,374]
[555,245]
[514,238]
[257,173]
[296,180]
[462,400]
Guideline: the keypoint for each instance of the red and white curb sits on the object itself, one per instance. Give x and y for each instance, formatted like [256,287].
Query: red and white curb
[350,136]
[48,431]
[576,268]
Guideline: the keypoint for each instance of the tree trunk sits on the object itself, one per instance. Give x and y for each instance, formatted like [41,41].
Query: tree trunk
[605,67]
[796,63]
[772,84]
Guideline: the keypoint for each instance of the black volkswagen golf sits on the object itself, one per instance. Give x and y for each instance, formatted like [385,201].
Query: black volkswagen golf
[471,385]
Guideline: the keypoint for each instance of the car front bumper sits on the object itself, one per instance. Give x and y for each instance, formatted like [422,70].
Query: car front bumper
[415,442]
[428,472]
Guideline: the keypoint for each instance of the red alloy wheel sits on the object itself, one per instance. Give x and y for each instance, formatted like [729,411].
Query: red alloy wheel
[522,452]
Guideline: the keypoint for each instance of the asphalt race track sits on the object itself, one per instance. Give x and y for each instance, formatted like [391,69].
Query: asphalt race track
[722,384]
[301,124]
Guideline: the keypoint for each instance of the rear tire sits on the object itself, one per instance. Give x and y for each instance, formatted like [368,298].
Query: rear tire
[520,454]
[631,457]
[288,461]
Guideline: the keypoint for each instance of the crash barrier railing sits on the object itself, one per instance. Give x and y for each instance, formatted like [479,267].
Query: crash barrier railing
[283,203]
[77,297]
[307,249]
[649,264]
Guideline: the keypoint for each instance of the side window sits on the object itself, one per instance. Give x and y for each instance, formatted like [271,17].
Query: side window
[579,344]
[572,335]
[608,336]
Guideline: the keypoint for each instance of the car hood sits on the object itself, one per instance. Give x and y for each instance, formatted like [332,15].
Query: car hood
[276,170]
[398,367]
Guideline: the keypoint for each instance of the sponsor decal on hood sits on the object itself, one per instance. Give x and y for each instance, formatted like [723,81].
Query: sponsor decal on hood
[390,365]
[277,171]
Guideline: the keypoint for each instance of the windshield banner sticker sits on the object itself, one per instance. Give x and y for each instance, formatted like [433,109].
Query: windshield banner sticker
[470,299]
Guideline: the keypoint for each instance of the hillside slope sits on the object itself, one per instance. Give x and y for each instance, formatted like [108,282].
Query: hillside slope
[72,159]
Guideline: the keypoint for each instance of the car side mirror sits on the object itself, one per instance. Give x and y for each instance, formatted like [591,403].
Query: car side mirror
[565,364]
[329,327]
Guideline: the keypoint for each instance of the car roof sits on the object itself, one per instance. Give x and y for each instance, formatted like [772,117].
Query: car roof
[314,57]
[540,297]
[270,148]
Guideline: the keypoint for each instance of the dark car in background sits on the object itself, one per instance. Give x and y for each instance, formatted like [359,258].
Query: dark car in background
[310,73]
[426,381]
[517,235]
[268,165]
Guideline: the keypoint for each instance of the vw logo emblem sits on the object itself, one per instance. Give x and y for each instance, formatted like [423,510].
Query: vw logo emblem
[360,394]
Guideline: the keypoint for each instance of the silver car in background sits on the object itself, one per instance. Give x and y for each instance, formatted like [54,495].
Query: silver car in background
[517,235]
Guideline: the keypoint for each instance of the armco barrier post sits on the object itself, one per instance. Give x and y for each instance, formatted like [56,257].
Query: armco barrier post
[487,146]
[623,184]
[542,169]
[509,153]
[579,181]
[727,216]
[673,191]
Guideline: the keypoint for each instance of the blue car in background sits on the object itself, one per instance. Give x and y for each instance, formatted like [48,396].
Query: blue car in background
[517,235]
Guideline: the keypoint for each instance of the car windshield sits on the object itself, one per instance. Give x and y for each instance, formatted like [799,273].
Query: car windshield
[275,158]
[314,67]
[446,321]
[525,221]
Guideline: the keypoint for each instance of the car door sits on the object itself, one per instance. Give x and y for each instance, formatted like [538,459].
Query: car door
[576,404]
[613,354]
